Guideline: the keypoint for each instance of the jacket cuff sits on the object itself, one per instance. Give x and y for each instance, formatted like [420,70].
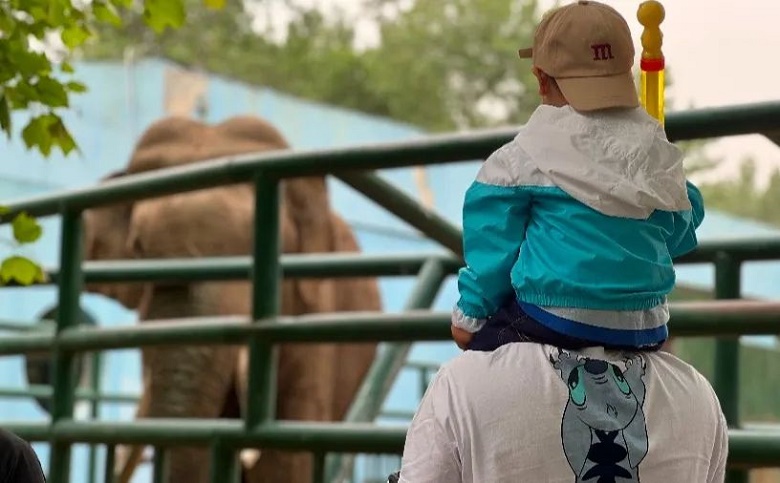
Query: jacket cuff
[463,321]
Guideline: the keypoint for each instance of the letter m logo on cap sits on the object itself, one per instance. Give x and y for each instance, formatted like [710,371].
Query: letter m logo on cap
[602,51]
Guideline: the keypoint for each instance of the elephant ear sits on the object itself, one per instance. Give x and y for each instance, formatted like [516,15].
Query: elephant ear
[106,230]
[359,294]
[306,199]
[315,234]
[306,205]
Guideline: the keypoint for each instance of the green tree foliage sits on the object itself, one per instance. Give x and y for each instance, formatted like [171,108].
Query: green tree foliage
[440,67]
[740,196]
[30,81]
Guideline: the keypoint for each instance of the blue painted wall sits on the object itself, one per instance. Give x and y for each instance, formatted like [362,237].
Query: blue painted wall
[124,99]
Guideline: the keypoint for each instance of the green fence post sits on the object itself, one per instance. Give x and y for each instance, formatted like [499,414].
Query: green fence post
[94,386]
[726,380]
[386,366]
[108,474]
[160,464]
[64,380]
[266,276]
[224,467]
[318,468]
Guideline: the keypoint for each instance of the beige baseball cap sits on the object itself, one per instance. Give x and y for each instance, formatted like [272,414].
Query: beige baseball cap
[588,49]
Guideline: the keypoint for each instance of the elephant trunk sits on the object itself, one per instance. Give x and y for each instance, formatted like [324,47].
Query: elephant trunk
[187,382]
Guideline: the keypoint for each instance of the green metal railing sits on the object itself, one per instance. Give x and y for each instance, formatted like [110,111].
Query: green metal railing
[727,320]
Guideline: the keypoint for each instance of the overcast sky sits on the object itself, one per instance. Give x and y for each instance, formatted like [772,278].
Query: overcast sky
[721,53]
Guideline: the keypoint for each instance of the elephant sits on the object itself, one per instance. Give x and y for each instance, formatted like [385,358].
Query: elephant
[315,381]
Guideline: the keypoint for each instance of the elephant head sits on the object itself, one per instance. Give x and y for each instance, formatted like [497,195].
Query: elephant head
[316,381]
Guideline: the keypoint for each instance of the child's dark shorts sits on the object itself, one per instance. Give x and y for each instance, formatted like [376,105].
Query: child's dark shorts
[512,324]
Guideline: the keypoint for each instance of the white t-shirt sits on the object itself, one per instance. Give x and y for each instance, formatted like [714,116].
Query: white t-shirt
[528,413]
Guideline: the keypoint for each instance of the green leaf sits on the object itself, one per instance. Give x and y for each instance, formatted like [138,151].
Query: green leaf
[51,93]
[16,98]
[76,87]
[4,210]
[21,270]
[24,92]
[106,12]
[26,228]
[74,36]
[36,134]
[30,64]
[57,15]
[39,14]
[66,67]
[160,14]
[7,23]
[60,135]
[5,116]
[47,131]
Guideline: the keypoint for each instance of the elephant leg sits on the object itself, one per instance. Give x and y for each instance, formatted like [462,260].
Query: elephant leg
[129,457]
[247,456]
[351,294]
[305,392]
[261,466]
[353,360]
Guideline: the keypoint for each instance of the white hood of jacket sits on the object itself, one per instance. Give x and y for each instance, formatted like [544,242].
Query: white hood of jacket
[619,163]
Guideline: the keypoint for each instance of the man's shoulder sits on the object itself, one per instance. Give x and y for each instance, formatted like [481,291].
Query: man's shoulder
[508,358]
[478,365]
[671,368]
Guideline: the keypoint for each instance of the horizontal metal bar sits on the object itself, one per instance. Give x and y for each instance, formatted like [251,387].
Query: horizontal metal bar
[396,414]
[287,435]
[689,319]
[724,318]
[723,121]
[738,249]
[338,265]
[16,326]
[41,391]
[746,448]
[26,343]
[331,265]
[421,365]
[753,449]
[437,149]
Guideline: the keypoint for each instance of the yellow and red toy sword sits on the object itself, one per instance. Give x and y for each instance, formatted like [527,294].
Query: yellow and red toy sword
[651,93]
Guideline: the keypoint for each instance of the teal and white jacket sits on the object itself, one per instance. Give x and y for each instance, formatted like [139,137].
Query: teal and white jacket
[579,217]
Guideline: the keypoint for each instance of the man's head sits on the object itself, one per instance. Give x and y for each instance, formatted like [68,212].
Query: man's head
[582,56]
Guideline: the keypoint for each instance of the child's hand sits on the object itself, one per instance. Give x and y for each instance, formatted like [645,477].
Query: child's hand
[461,337]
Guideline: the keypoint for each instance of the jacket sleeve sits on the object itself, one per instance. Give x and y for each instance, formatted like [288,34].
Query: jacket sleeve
[494,223]
[683,240]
